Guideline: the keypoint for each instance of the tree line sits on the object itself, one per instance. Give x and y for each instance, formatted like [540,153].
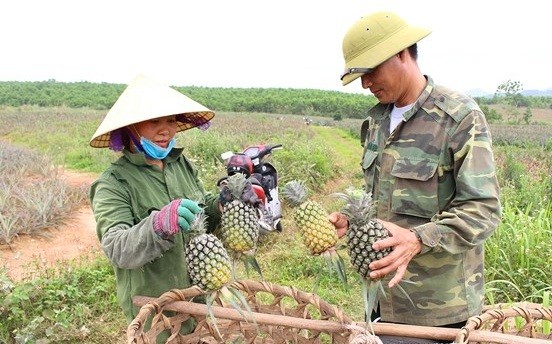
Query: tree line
[517,107]
[305,102]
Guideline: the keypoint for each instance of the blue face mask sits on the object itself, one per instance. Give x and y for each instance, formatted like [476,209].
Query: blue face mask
[154,151]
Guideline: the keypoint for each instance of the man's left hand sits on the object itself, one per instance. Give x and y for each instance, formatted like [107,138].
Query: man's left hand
[248,195]
[405,246]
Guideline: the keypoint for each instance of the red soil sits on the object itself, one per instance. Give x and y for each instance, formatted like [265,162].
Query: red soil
[77,237]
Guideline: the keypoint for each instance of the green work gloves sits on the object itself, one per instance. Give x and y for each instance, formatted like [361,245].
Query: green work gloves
[174,217]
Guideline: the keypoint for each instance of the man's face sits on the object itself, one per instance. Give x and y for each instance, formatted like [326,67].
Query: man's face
[386,81]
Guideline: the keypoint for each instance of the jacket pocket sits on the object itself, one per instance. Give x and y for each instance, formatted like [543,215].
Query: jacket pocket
[416,185]
[369,168]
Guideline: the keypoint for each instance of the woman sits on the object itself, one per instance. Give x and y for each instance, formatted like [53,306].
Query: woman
[145,201]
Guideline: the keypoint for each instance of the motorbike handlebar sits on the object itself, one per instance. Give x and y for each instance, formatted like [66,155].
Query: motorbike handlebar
[258,152]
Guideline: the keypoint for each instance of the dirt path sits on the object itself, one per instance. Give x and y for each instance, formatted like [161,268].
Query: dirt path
[26,255]
[347,162]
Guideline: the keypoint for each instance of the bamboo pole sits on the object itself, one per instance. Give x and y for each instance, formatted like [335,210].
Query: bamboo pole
[413,331]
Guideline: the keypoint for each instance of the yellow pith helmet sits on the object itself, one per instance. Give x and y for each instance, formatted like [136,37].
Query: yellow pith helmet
[374,39]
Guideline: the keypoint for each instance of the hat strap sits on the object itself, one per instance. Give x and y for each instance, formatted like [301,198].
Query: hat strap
[136,141]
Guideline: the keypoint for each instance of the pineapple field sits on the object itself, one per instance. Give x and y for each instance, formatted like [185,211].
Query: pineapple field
[76,303]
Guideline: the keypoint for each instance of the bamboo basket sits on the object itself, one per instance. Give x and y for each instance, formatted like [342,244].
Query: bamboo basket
[280,314]
[526,320]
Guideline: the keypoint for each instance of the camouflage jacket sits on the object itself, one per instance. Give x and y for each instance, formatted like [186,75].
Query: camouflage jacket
[435,174]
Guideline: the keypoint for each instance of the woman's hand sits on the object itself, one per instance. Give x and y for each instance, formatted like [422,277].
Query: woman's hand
[176,216]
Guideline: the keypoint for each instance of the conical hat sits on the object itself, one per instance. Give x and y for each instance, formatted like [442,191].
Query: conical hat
[145,99]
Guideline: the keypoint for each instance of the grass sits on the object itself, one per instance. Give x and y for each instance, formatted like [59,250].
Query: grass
[76,303]
[518,256]
[70,303]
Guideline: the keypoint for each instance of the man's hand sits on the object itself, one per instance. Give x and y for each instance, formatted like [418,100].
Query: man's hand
[174,217]
[248,195]
[340,222]
[405,246]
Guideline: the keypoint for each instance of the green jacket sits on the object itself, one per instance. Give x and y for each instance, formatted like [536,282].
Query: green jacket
[435,174]
[123,199]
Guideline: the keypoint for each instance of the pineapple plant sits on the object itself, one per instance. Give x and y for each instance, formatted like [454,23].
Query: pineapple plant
[364,230]
[318,233]
[207,260]
[240,224]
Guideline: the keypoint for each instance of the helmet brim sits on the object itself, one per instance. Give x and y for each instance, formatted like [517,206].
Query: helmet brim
[368,54]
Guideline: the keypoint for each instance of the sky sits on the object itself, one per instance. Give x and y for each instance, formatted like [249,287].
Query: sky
[474,44]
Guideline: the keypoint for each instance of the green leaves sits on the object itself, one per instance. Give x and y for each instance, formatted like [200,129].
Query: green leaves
[64,304]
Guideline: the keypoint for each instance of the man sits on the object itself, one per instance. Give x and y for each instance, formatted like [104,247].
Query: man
[428,162]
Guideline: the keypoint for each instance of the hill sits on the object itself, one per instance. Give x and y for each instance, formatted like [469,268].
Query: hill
[476,92]
[540,93]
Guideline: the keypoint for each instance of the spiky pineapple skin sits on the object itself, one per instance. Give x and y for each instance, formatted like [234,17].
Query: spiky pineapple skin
[239,221]
[360,238]
[240,226]
[364,230]
[318,233]
[208,262]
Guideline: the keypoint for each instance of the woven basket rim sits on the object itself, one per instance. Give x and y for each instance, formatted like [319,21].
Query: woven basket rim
[493,316]
[329,314]
[499,316]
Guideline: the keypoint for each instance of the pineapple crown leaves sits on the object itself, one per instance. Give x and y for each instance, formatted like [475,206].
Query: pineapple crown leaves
[231,296]
[199,224]
[335,262]
[295,192]
[371,289]
[236,184]
[249,260]
[359,206]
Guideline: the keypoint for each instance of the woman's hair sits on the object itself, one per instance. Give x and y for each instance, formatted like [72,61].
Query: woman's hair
[119,139]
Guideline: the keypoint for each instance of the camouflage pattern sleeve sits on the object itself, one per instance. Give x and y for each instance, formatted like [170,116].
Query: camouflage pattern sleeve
[474,211]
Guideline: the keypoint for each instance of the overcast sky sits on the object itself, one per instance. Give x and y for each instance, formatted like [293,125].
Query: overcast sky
[475,44]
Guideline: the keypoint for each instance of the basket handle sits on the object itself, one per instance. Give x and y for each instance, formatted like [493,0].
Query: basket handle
[199,309]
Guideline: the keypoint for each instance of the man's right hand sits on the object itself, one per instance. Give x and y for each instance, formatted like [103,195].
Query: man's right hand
[174,217]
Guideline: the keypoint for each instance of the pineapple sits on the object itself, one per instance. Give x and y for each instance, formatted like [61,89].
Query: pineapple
[319,235]
[210,269]
[364,230]
[206,258]
[240,224]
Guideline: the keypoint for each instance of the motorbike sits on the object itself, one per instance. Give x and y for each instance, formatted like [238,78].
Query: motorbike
[252,162]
